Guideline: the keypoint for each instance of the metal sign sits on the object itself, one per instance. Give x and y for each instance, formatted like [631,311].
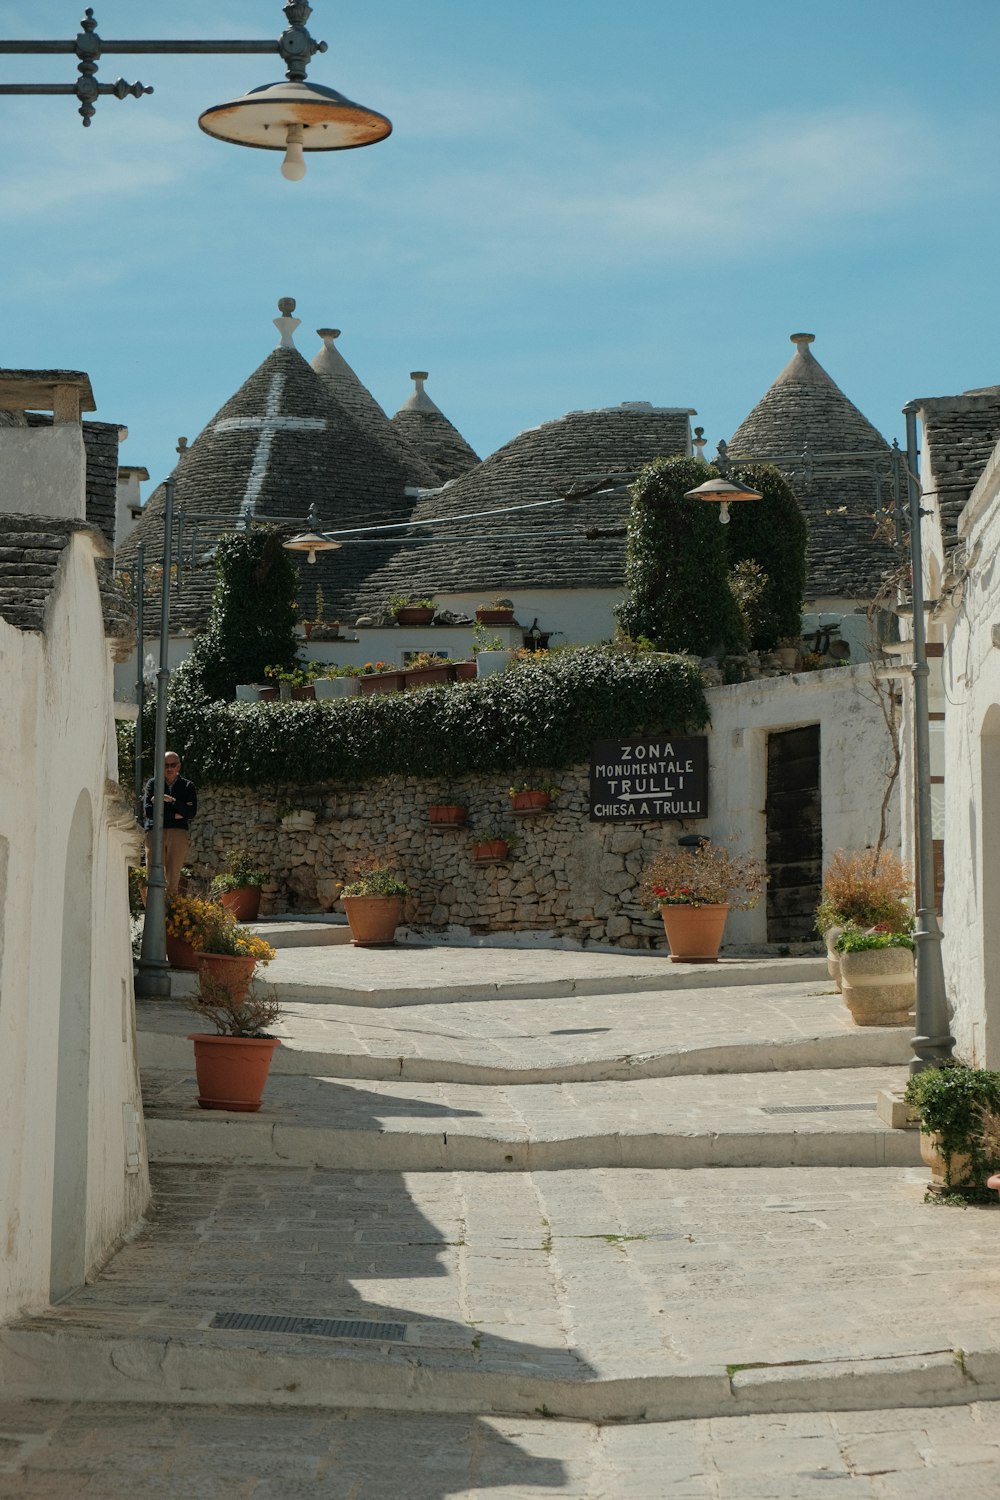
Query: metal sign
[649,781]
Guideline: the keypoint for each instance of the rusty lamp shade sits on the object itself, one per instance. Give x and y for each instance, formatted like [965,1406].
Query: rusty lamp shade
[724,492]
[293,118]
[310,542]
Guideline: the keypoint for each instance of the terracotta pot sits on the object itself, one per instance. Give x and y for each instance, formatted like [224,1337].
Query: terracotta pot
[495,616]
[417,677]
[878,986]
[415,614]
[522,802]
[447,812]
[490,850]
[244,902]
[231,1070]
[373,919]
[465,671]
[994,1182]
[234,970]
[961,1166]
[694,932]
[181,955]
[382,682]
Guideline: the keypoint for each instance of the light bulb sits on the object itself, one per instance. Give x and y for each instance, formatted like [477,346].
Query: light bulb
[294,165]
[724,510]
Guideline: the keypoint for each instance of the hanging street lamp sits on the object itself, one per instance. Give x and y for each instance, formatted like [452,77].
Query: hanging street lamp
[292,116]
[723,491]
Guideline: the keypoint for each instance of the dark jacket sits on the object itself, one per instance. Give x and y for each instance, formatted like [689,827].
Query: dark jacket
[176,814]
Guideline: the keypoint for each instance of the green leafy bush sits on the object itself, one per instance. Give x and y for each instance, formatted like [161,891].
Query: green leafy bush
[677,565]
[852,941]
[543,713]
[953,1101]
[772,533]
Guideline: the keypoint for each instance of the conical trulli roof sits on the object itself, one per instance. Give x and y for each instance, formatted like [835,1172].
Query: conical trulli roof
[359,403]
[426,429]
[279,447]
[801,422]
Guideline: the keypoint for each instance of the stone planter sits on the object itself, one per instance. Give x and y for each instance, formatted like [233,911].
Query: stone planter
[488,662]
[961,1167]
[878,986]
[373,919]
[231,1070]
[336,687]
[694,932]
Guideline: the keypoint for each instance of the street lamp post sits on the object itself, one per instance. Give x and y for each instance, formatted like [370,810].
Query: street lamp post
[933,1043]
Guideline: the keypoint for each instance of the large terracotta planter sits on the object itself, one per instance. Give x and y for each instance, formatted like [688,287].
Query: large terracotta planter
[231,1070]
[878,986]
[382,682]
[417,677]
[415,614]
[961,1166]
[231,969]
[694,932]
[495,616]
[181,955]
[244,902]
[530,802]
[373,919]
[465,671]
[447,812]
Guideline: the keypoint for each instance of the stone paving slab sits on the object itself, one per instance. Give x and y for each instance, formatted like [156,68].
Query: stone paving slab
[745,1028]
[806,1118]
[105,1451]
[599,1294]
[407,974]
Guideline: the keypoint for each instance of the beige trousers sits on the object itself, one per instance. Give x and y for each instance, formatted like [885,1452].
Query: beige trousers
[176,843]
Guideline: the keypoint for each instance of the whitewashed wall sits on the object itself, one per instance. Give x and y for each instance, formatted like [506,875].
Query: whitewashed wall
[971,668]
[67,1046]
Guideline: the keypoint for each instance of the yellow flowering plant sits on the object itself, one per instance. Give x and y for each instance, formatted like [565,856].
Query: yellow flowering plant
[209,928]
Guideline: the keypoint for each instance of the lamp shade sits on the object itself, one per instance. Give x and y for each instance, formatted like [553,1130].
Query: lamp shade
[311,542]
[263,117]
[723,491]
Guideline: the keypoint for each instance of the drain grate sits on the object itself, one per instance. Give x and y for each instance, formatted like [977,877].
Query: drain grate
[324,1328]
[814,1109]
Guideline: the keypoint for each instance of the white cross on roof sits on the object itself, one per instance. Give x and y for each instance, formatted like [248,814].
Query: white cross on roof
[268,425]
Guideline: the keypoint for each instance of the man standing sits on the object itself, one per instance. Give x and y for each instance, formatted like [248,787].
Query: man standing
[180,803]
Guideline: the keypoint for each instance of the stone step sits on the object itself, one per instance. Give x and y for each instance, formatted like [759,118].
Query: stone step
[601,1295]
[815,1118]
[303,931]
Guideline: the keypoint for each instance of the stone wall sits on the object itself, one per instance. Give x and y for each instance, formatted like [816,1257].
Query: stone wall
[566,876]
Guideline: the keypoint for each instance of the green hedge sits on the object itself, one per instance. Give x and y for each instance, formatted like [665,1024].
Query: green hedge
[539,714]
[772,532]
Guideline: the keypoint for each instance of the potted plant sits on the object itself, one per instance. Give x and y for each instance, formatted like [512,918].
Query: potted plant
[786,650]
[338,682]
[407,611]
[428,669]
[381,677]
[876,976]
[232,1063]
[989,1134]
[694,889]
[491,653]
[238,885]
[531,797]
[862,889]
[181,929]
[447,812]
[491,844]
[952,1101]
[319,628]
[497,612]
[295,682]
[373,902]
[224,948]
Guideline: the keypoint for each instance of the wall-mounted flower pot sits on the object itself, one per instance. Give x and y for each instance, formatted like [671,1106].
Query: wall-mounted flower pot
[336,687]
[490,851]
[495,616]
[413,614]
[530,802]
[231,1070]
[382,682]
[373,919]
[694,932]
[447,812]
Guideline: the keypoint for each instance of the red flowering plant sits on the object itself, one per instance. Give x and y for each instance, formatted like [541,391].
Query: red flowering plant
[707,875]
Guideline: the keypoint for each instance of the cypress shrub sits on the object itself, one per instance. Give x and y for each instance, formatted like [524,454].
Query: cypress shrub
[772,533]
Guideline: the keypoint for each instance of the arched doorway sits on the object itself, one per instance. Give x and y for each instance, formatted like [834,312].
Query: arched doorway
[72,1132]
[988,892]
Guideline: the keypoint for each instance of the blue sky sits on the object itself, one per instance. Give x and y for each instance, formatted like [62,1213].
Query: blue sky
[580,204]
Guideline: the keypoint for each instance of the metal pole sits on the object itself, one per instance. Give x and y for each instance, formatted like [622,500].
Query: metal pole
[153,977]
[140,684]
[933,1043]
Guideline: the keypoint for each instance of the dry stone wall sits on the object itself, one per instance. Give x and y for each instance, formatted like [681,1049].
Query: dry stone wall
[566,876]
